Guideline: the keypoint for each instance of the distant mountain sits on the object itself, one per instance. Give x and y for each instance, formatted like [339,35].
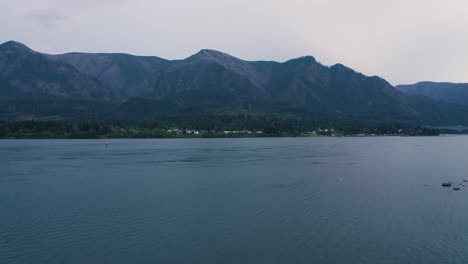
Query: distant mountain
[123,73]
[213,77]
[26,73]
[207,85]
[456,93]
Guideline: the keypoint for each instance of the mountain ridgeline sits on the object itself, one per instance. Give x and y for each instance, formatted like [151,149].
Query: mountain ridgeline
[456,93]
[209,88]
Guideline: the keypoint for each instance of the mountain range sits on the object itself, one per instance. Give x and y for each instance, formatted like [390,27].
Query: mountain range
[209,83]
[456,93]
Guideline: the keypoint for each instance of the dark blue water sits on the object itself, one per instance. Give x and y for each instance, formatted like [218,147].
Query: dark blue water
[277,200]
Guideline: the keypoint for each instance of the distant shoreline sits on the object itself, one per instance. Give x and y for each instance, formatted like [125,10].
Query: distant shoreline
[38,129]
[214,137]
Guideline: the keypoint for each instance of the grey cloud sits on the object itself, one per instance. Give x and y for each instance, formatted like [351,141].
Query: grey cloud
[400,40]
[47,18]
[86,3]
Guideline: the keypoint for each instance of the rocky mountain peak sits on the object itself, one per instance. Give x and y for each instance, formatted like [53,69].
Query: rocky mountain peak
[14,45]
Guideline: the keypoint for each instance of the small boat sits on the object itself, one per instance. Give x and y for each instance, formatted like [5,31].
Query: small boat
[456,189]
[446,184]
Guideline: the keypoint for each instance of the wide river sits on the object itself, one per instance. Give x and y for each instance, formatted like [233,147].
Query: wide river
[264,200]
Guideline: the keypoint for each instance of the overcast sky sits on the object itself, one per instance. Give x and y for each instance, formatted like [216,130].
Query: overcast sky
[404,41]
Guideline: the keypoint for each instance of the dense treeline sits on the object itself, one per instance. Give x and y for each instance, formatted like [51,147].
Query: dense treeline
[134,129]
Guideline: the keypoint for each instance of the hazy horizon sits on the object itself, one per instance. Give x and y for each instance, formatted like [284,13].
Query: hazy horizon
[399,41]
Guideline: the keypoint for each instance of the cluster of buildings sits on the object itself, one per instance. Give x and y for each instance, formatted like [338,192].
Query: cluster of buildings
[242,132]
[196,132]
[184,131]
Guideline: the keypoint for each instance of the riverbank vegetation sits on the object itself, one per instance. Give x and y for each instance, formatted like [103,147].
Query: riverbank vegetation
[93,129]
